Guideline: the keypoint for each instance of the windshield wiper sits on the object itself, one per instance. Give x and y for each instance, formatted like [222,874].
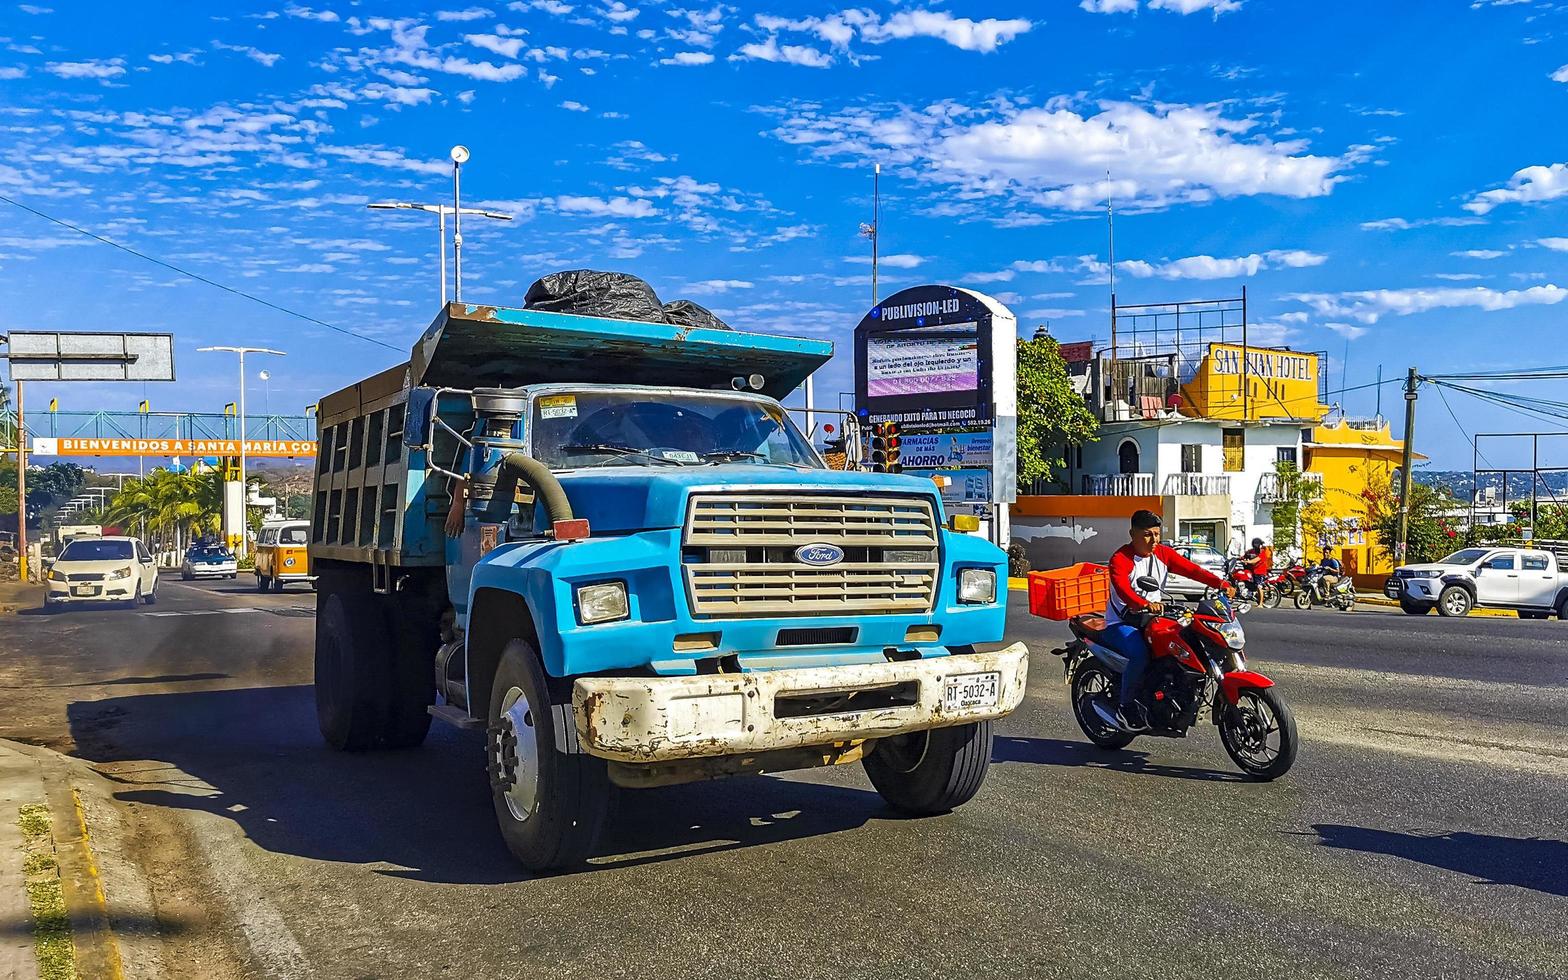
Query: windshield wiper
[613,450]
[720,455]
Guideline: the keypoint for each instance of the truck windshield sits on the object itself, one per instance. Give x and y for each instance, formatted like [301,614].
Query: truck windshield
[1468,556]
[578,429]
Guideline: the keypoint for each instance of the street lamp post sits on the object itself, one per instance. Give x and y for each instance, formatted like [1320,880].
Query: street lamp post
[244,490]
[440,211]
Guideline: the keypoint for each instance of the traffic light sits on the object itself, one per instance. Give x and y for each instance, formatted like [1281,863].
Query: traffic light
[884,448]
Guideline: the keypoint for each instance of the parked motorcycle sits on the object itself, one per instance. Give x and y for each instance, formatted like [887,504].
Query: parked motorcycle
[1198,668]
[1316,591]
[1285,581]
[1249,589]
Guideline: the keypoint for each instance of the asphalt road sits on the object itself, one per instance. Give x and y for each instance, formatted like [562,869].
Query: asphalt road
[1421,833]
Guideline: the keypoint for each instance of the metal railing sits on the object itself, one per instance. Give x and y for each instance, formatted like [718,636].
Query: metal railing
[1118,484]
[1196,485]
[1272,491]
[162,425]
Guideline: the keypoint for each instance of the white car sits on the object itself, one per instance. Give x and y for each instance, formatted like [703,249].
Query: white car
[1201,555]
[102,570]
[209,560]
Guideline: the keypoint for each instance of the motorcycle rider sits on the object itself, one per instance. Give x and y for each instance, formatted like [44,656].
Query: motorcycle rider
[1128,609]
[1257,563]
[1332,570]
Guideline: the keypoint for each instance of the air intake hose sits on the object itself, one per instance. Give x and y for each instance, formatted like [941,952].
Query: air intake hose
[546,487]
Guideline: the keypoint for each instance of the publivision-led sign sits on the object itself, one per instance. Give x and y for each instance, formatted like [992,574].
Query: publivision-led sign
[941,361]
[275,448]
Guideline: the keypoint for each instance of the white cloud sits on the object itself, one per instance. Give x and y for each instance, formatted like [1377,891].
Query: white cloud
[1532,184]
[600,207]
[688,58]
[1457,276]
[839,29]
[8,74]
[34,9]
[1405,224]
[1209,267]
[1347,330]
[1055,158]
[1479,253]
[1368,306]
[305,13]
[789,54]
[896,261]
[1174,6]
[548,79]
[101,70]
[571,106]
[1561,74]
[507,47]
[467,14]
[1555,244]
[265,58]
[717,286]
[555,7]
[618,12]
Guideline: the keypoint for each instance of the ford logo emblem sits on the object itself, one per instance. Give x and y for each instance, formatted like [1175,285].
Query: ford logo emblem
[819,554]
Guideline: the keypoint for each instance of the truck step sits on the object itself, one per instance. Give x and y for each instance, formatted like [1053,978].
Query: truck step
[456,717]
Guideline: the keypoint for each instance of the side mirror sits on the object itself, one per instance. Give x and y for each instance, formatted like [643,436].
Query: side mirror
[1147,583]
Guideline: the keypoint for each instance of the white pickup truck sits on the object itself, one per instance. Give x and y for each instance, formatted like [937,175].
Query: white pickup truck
[1532,581]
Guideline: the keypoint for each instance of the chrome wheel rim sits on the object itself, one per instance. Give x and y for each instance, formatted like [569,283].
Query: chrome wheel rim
[1455,603]
[515,755]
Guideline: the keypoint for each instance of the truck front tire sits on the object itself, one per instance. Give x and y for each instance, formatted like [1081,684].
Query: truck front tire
[370,693]
[550,797]
[931,772]
[1454,601]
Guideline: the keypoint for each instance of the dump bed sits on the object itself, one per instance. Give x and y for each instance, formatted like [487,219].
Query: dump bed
[376,500]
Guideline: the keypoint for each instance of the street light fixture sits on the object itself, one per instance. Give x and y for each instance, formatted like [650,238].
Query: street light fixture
[440,211]
[244,489]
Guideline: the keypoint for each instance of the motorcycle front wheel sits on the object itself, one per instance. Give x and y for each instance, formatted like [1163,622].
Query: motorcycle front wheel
[1093,681]
[1259,733]
[1303,599]
[1269,597]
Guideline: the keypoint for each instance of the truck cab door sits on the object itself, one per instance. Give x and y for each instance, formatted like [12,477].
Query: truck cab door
[1537,579]
[1497,581]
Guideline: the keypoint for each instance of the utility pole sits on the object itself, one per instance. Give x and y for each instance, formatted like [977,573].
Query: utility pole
[244,490]
[459,157]
[21,483]
[1402,543]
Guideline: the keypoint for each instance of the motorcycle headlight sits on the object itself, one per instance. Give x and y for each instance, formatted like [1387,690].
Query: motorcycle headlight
[119,573]
[602,603]
[976,585]
[1235,636]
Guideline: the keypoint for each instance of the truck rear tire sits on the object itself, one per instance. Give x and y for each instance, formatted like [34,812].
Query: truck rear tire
[931,772]
[363,698]
[550,798]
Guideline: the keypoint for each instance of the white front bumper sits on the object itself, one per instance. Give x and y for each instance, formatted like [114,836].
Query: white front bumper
[657,719]
[116,591]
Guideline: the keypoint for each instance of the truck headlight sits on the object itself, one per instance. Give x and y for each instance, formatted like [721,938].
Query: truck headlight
[118,573]
[602,603]
[976,585]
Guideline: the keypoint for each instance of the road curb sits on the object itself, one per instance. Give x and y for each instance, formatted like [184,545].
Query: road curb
[107,898]
[1368,599]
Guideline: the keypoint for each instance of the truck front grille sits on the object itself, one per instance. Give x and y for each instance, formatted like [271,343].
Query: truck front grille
[879,535]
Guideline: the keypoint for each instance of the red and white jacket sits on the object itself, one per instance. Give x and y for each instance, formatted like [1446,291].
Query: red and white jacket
[1127,566]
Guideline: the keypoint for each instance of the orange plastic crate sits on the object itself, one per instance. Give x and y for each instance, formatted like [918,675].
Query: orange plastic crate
[1063,593]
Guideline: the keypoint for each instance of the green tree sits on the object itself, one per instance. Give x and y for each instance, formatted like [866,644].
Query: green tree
[1051,415]
[54,483]
[1293,509]
[171,507]
[1430,535]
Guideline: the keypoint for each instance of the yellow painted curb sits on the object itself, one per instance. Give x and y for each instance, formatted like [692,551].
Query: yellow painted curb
[1018,584]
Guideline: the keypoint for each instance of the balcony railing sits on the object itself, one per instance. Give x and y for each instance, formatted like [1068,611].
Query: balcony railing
[1271,491]
[1118,484]
[1196,484]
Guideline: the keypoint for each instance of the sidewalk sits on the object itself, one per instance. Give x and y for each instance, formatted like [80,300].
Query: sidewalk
[70,897]
[16,595]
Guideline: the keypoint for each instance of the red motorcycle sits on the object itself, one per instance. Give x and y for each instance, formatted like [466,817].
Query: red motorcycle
[1198,667]
[1252,590]
[1286,582]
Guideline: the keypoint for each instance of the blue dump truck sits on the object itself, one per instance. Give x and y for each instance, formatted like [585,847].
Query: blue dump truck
[604,543]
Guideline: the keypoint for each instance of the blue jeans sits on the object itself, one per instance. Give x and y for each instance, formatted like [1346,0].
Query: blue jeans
[1129,642]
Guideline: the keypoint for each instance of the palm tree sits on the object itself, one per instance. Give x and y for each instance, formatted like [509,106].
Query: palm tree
[173,506]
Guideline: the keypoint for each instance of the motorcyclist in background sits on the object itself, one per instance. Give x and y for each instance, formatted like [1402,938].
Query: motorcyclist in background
[1256,564]
[1332,570]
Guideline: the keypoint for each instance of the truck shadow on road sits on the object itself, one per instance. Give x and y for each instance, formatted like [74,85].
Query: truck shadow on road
[253,756]
[1057,752]
[1536,863]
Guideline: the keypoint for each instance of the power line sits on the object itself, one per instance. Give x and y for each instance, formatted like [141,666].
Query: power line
[199,278]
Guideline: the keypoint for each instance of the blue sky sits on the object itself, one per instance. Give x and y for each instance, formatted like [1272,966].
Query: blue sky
[1387,180]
